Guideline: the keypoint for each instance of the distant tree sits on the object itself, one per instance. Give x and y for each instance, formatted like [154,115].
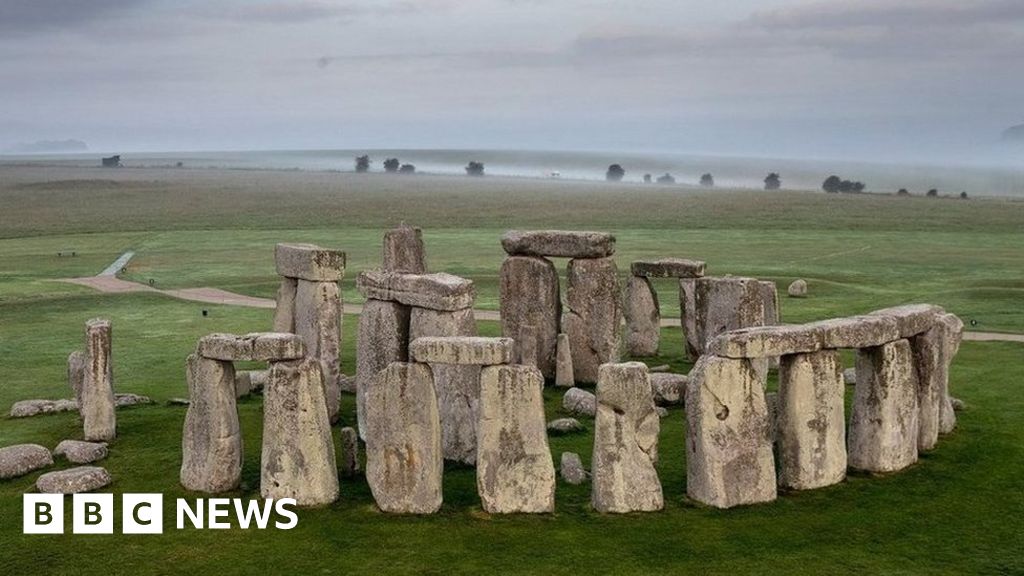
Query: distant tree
[615,173]
[773,181]
[407,169]
[857,187]
[666,179]
[933,193]
[475,168]
[832,184]
[391,165]
[963,195]
[647,178]
[707,180]
[362,163]
[903,192]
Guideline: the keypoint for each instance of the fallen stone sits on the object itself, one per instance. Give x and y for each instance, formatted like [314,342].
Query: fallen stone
[255,347]
[884,419]
[349,452]
[473,350]
[911,319]
[383,338]
[97,406]
[668,268]
[726,304]
[594,317]
[850,376]
[530,297]
[128,399]
[438,291]
[309,262]
[78,452]
[284,311]
[211,442]
[669,388]
[21,459]
[579,401]
[571,469]
[73,480]
[564,377]
[26,408]
[798,289]
[565,426]
[404,250]
[76,375]
[558,243]
[318,313]
[643,318]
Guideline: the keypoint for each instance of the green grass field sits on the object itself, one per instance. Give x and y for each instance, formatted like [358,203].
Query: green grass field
[957,511]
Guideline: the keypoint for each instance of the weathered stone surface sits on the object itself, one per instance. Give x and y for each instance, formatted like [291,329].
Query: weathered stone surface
[797,289]
[472,350]
[579,401]
[660,368]
[318,310]
[526,352]
[883,423]
[347,383]
[766,341]
[284,311]
[404,463]
[298,459]
[668,268]
[810,422]
[26,408]
[958,404]
[564,377]
[593,320]
[514,468]
[129,399]
[725,304]
[255,347]
[309,262]
[661,411]
[383,338]
[643,318]
[669,388]
[243,383]
[349,452]
[571,469]
[729,459]
[688,318]
[850,376]
[911,319]
[74,480]
[854,332]
[404,250]
[21,459]
[211,442]
[76,375]
[558,243]
[438,291]
[530,297]
[954,331]
[932,377]
[770,296]
[625,442]
[97,405]
[565,426]
[78,452]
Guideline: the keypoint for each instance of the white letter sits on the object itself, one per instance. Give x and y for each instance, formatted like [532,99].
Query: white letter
[218,509]
[279,506]
[253,509]
[185,510]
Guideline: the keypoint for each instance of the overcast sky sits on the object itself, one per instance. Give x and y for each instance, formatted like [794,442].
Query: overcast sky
[870,79]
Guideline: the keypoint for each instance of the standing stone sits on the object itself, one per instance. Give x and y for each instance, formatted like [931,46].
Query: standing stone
[514,470]
[211,442]
[383,338]
[284,312]
[318,311]
[404,464]
[526,345]
[564,377]
[349,452]
[929,363]
[594,316]
[688,317]
[729,459]
[810,422]
[529,296]
[725,304]
[404,251]
[76,374]
[571,469]
[97,403]
[643,318]
[298,458]
[883,424]
[625,442]
[954,331]
[798,289]
[770,299]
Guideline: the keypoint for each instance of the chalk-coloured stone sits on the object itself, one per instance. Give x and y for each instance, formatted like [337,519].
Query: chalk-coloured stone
[404,250]
[129,399]
[850,376]
[688,318]
[669,388]
[594,317]
[932,377]
[526,352]
[383,338]
[21,459]
[469,350]
[318,310]
[309,262]
[97,404]
[729,459]
[298,459]
[625,442]
[810,423]
[571,469]
[565,426]
[514,468]
[78,452]
[954,331]
[766,341]
[211,443]
[530,297]
[73,480]
[725,304]
[668,268]
[26,408]
[347,383]
[884,420]
[404,463]
[854,332]
[349,452]
[797,289]
[438,291]
[558,243]
[284,311]
[911,319]
[76,374]
[564,377]
[255,347]
[580,402]
[643,318]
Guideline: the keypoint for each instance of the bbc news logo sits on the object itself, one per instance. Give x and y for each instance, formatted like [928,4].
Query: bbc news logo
[144,514]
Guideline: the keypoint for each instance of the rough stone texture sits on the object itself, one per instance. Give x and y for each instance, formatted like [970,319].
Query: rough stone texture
[129,399]
[579,401]
[643,318]
[958,404]
[21,459]
[309,262]
[593,319]
[771,401]
[404,251]
[954,331]
[255,347]
[76,374]
[26,408]
[810,425]
[668,268]
[526,352]
[318,310]
[78,452]
[932,377]
[97,405]
[514,468]
[471,350]
[854,332]
[349,452]
[565,426]
[439,291]
[883,423]
[660,368]
[726,304]
[404,463]
[383,338]
[529,296]
[770,296]
[729,459]
[797,289]
[564,376]
[661,411]
[298,458]
[347,383]
[766,342]
[669,388]
[284,311]
[625,442]
[688,318]
[850,376]
[558,243]
[211,443]
[911,319]
[571,469]
[73,480]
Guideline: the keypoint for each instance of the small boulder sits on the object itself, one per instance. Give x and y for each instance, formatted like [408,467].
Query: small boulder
[958,404]
[798,289]
[26,408]
[122,400]
[850,376]
[571,469]
[565,426]
[661,411]
[669,388]
[79,452]
[21,459]
[73,480]
[580,402]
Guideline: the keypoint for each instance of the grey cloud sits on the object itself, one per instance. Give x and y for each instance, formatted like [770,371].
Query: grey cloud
[28,16]
[888,13]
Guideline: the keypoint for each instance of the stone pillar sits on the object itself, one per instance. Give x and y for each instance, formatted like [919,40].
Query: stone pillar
[211,442]
[625,441]
[404,250]
[383,338]
[298,459]
[688,318]
[954,331]
[529,296]
[564,377]
[404,464]
[810,422]
[932,379]
[729,459]
[883,424]
[97,401]
[726,304]
[349,452]
[76,374]
[594,317]
[284,312]
[643,318]
[514,470]
[318,310]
